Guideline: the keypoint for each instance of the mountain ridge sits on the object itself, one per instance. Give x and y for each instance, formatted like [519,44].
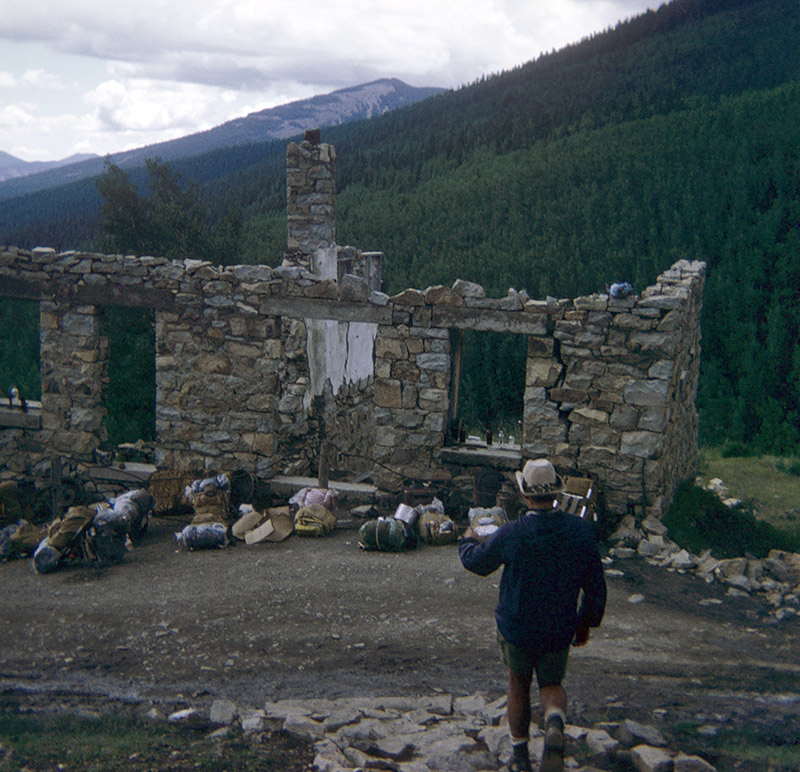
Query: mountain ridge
[12,167]
[352,103]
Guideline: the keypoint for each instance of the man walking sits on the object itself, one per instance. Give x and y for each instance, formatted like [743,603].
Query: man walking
[549,557]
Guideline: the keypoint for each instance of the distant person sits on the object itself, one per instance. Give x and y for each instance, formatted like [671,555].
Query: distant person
[15,398]
[548,558]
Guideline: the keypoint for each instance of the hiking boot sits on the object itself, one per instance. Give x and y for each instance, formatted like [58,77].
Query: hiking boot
[521,761]
[553,756]
[520,764]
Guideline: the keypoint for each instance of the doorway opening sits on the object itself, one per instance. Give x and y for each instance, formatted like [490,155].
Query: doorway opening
[19,349]
[488,387]
[129,393]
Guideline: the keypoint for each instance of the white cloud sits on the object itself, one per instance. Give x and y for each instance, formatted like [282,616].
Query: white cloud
[151,106]
[248,43]
[15,116]
[155,69]
[40,78]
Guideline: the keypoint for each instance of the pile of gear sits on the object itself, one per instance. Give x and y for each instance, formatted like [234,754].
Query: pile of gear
[218,520]
[210,500]
[222,513]
[100,533]
[426,523]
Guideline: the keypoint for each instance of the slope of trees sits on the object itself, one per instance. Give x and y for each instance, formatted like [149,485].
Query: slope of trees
[720,183]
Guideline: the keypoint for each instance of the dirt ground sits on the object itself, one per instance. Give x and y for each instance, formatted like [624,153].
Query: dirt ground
[322,618]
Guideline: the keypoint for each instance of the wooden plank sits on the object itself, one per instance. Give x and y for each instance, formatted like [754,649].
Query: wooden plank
[107,295]
[282,484]
[489,320]
[465,455]
[122,472]
[11,287]
[15,418]
[127,295]
[340,311]
[455,378]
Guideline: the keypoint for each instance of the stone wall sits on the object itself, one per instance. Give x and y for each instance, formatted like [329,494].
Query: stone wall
[233,350]
[256,366]
[610,383]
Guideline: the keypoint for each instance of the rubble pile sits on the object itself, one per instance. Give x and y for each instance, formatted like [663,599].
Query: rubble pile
[439,732]
[776,578]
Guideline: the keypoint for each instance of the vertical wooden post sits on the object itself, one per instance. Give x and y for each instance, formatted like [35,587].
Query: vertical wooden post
[455,377]
[324,464]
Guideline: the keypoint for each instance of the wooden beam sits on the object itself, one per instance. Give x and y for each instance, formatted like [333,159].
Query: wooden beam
[124,295]
[340,311]
[11,287]
[106,295]
[455,376]
[487,319]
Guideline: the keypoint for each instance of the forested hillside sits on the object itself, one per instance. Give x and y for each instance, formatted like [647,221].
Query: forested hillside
[674,135]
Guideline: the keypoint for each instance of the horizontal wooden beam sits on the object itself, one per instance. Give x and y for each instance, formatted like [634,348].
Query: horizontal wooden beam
[106,295]
[11,287]
[124,295]
[481,455]
[489,320]
[318,308]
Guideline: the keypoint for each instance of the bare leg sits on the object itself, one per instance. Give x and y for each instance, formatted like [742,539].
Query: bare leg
[518,707]
[554,704]
[552,698]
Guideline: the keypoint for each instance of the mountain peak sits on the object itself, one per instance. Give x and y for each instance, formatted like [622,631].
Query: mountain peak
[352,103]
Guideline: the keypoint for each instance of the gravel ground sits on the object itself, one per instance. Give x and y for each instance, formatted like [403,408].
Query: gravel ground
[322,618]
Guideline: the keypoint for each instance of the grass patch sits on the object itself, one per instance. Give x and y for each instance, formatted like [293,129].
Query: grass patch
[698,520]
[743,749]
[114,742]
[769,485]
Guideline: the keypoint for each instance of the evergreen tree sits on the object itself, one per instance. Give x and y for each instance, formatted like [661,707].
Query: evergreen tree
[171,221]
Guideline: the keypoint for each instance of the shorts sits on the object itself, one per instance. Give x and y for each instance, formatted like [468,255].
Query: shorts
[550,666]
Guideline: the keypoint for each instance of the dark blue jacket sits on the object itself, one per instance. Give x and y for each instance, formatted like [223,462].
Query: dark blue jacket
[548,558]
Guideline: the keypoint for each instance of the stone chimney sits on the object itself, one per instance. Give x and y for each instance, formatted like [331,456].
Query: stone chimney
[311,213]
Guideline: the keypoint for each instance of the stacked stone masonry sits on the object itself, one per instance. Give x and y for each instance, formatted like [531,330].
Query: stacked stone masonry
[610,383]
[258,368]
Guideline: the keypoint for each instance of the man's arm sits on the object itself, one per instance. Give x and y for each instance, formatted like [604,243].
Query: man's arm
[581,634]
[480,557]
[593,604]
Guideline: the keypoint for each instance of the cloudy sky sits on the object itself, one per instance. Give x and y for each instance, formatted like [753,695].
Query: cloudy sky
[81,76]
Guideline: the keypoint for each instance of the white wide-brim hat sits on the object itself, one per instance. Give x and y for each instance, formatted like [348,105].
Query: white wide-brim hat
[538,478]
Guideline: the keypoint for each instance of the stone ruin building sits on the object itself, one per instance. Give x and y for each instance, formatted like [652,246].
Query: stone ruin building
[257,367]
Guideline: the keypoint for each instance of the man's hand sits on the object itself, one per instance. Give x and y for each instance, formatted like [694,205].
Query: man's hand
[469,533]
[581,635]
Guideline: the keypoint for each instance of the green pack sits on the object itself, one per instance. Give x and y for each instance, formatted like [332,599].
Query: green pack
[387,535]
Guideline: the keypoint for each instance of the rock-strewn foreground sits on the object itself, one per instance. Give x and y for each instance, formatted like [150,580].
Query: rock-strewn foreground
[461,734]
[373,648]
